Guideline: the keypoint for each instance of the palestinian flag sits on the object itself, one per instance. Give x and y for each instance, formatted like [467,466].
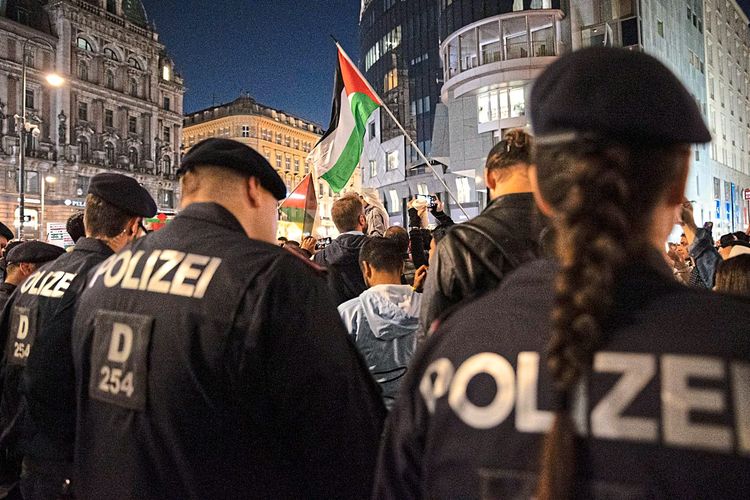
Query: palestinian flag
[337,153]
[300,206]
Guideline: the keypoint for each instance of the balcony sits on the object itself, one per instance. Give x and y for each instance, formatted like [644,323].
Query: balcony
[507,41]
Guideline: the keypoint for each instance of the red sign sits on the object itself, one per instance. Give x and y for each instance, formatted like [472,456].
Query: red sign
[747,194]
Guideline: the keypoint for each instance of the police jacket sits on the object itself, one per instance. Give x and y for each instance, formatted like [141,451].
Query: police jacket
[341,258]
[6,290]
[37,411]
[210,365]
[473,257]
[665,412]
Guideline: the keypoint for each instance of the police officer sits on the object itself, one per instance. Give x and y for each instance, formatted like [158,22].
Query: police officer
[639,384]
[37,322]
[210,363]
[23,259]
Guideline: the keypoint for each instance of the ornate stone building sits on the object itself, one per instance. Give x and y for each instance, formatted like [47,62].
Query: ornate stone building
[285,140]
[120,108]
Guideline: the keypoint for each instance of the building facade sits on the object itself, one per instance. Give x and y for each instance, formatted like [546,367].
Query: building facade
[119,109]
[727,63]
[284,139]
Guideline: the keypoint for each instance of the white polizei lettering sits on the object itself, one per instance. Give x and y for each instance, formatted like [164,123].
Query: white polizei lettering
[63,285]
[103,268]
[528,417]
[23,327]
[128,282]
[148,268]
[31,281]
[431,391]
[111,277]
[157,284]
[186,271]
[121,343]
[47,290]
[607,421]
[40,284]
[206,277]
[497,411]
[679,399]
[741,393]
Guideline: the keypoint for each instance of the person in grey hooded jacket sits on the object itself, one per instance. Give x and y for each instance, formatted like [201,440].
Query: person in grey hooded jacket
[384,320]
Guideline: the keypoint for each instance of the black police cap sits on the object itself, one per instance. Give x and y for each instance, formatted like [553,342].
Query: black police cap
[5,232]
[33,252]
[123,192]
[614,93]
[236,156]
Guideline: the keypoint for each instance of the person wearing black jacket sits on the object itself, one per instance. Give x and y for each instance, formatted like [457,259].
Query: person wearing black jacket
[631,385]
[341,256]
[210,363]
[475,256]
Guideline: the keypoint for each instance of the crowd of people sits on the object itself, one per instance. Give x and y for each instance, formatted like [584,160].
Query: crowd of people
[555,346]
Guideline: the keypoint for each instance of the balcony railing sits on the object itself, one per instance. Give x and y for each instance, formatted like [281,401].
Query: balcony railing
[517,35]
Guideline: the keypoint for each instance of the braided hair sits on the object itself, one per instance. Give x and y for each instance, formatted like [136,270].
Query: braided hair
[601,209]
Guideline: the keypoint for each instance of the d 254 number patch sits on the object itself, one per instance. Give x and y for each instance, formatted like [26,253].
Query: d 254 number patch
[119,359]
[22,334]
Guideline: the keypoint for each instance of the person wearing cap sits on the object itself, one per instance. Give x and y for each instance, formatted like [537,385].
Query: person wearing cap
[23,258]
[220,356]
[37,413]
[5,236]
[591,373]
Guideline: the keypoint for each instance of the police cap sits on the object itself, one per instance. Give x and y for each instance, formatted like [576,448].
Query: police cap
[236,156]
[33,252]
[614,93]
[123,192]
[5,232]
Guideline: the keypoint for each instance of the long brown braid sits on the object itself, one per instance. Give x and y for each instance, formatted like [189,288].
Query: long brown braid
[602,209]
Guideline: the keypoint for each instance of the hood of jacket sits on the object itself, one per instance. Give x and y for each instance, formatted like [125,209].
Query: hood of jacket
[392,311]
[344,250]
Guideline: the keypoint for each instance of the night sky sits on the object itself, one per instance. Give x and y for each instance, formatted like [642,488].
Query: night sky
[279,51]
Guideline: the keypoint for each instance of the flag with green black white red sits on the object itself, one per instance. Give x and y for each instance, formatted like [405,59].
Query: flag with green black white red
[336,155]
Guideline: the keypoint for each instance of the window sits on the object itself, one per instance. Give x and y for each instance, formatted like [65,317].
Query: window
[133,157]
[166,198]
[371,126]
[278,161]
[30,57]
[112,7]
[422,189]
[109,118]
[83,153]
[132,124]
[246,131]
[134,87]
[296,165]
[32,182]
[166,73]
[463,189]
[391,160]
[660,28]
[390,81]
[83,111]
[373,168]
[84,44]
[83,71]
[389,42]
[133,63]
[30,98]
[110,54]
[278,138]
[110,81]
[167,103]
[166,165]
[109,154]
[517,103]
[394,201]
[288,163]
[288,141]
[167,134]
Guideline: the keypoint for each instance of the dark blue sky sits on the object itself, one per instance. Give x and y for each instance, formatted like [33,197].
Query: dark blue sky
[278,50]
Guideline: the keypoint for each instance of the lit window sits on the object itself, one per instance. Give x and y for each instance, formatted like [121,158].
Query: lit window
[278,160]
[517,103]
[463,189]
[391,160]
[422,189]
[373,168]
[395,202]
[166,73]
[84,44]
[390,81]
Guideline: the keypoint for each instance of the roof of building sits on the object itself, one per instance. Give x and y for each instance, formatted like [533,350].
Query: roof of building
[133,11]
[247,105]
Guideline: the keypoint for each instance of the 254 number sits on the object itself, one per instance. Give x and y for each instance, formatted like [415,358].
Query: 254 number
[21,350]
[112,381]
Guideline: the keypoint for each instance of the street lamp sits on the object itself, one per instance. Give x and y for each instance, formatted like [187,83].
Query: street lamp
[55,81]
[48,179]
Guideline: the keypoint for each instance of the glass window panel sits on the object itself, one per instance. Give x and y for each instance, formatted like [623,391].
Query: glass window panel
[517,103]
[542,33]
[515,38]
[489,43]
[504,107]
[483,108]
[468,42]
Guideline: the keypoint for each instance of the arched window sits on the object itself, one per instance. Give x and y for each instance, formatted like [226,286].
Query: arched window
[134,87]
[166,165]
[133,157]
[110,83]
[109,154]
[83,71]
[83,149]
[112,7]
[133,62]
[111,54]
[84,44]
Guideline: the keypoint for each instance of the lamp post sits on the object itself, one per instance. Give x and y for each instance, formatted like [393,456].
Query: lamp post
[48,179]
[55,81]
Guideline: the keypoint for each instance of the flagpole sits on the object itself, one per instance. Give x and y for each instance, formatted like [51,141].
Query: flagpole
[406,134]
